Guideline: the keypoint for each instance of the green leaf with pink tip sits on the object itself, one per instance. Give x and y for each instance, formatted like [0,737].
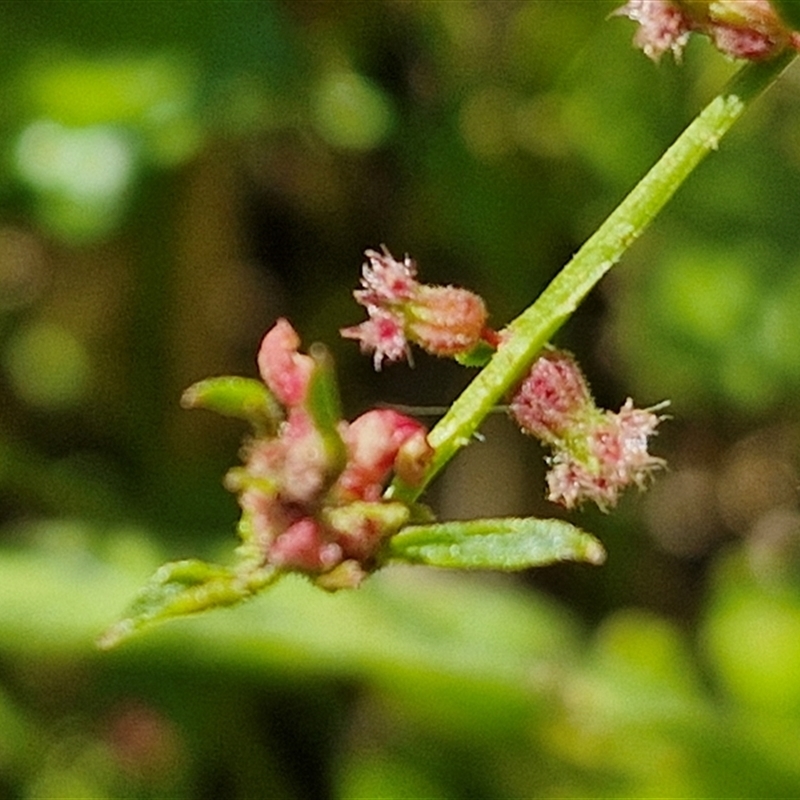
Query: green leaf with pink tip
[500,544]
[232,396]
[185,587]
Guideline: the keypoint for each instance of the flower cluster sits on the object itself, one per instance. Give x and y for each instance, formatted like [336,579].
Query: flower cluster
[747,29]
[311,490]
[595,454]
[443,320]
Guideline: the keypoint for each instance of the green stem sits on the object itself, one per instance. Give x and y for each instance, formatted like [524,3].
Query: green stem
[529,332]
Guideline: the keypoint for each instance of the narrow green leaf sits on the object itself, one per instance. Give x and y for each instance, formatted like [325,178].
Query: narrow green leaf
[504,544]
[233,396]
[324,406]
[323,392]
[184,587]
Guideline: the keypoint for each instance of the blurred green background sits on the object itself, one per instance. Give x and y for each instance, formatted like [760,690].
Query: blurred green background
[173,177]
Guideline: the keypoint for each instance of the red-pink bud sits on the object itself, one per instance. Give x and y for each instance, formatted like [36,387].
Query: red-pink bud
[373,441]
[302,546]
[445,320]
[552,396]
[285,371]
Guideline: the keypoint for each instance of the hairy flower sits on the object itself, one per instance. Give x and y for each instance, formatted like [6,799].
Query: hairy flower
[385,279]
[309,505]
[442,320]
[746,29]
[552,396]
[382,335]
[663,26]
[595,454]
[604,458]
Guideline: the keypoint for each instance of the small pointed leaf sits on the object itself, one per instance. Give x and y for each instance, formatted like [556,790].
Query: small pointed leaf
[233,396]
[503,544]
[184,587]
[324,406]
[479,356]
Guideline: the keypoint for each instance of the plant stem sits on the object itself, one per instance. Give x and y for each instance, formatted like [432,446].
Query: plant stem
[529,332]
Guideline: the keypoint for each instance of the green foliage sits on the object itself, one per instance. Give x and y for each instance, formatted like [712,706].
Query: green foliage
[234,396]
[185,587]
[505,544]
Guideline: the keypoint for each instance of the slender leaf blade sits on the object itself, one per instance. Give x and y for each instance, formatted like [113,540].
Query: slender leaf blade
[500,544]
[234,396]
[184,587]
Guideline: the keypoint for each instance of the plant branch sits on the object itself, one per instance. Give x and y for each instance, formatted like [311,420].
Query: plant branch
[529,332]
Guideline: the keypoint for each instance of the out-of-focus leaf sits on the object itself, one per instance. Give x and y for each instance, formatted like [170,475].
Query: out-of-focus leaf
[232,396]
[184,587]
[352,112]
[505,544]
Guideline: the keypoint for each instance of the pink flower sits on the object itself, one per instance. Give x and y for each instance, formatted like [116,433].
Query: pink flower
[443,320]
[552,395]
[382,334]
[663,26]
[604,459]
[596,454]
[386,280]
[311,489]
[748,29]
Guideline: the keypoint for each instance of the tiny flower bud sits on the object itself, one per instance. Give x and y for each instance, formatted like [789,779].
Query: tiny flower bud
[302,546]
[596,454]
[413,458]
[373,441]
[359,527]
[285,371]
[551,397]
[445,320]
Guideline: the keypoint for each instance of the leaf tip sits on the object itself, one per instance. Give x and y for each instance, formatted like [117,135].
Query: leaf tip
[115,634]
[595,553]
